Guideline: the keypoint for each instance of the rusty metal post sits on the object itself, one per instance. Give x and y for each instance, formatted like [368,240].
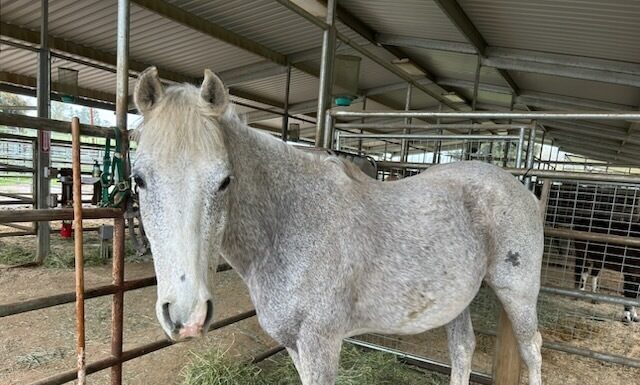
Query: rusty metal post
[79,257]
[122,107]
[117,306]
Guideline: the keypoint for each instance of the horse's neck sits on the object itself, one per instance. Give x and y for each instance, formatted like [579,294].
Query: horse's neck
[261,165]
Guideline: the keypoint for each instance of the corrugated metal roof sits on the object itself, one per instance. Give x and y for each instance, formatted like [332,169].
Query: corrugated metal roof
[153,39]
[263,21]
[590,28]
[303,87]
[605,29]
[408,17]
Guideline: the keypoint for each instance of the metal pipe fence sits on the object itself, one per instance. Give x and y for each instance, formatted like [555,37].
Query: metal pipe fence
[116,289]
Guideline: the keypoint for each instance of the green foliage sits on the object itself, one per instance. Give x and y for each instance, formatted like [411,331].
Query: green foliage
[357,367]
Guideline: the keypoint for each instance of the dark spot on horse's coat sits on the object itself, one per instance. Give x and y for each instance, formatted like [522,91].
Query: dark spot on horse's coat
[427,303]
[413,315]
[514,258]
[182,278]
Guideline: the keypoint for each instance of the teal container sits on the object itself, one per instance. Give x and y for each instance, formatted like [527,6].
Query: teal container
[343,101]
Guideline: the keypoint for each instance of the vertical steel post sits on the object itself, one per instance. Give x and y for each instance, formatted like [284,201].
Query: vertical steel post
[439,145]
[79,257]
[44,137]
[530,152]
[404,145]
[519,147]
[544,133]
[474,102]
[122,81]
[122,108]
[507,145]
[326,74]
[329,131]
[364,108]
[285,117]
[476,84]
[338,141]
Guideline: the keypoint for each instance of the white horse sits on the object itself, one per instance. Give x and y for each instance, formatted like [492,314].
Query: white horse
[326,251]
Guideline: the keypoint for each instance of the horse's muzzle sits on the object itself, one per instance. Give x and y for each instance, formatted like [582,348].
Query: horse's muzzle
[196,327]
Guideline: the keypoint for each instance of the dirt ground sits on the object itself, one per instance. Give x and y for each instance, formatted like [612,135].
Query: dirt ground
[38,344]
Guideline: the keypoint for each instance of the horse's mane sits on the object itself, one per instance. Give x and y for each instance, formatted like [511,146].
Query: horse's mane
[182,123]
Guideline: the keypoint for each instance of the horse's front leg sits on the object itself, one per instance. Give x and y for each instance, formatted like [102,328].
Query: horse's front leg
[317,358]
[462,343]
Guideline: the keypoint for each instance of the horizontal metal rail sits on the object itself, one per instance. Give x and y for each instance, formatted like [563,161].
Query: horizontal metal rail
[16,234]
[40,215]
[421,362]
[585,295]
[130,354]
[64,298]
[20,197]
[451,126]
[536,115]
[591,236]
[599,356]
[428,137]
[264,355]
[24,121]
[546,174]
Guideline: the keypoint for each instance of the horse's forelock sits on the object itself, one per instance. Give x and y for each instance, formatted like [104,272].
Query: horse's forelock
[182,122]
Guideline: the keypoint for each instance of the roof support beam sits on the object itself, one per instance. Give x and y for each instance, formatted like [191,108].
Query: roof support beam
[564,65]
[461,21]
[459,18]
[571,66]
[360,28]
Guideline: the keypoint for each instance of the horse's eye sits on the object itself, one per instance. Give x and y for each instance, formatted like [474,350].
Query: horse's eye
[139,181]
[224,184]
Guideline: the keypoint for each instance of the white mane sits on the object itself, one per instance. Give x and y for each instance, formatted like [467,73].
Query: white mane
[182,123]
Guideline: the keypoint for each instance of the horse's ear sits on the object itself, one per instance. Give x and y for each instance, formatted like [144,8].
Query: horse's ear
[213,92]
[148,90]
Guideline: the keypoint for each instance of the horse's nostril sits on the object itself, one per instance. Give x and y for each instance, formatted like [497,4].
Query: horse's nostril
[167,318]
[209,315]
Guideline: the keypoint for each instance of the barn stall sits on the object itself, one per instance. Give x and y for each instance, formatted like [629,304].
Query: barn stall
[547,91]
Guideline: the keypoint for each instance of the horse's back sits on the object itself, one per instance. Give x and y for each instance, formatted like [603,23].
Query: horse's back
[504,211]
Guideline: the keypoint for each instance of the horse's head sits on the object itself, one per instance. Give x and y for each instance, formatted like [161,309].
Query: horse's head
[182,172]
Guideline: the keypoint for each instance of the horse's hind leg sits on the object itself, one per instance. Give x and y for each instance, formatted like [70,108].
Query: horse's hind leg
[520,304]
[462,343]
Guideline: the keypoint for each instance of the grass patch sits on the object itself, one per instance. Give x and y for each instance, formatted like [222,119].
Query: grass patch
[11,181]
[23,250]
[357,367]
[40,357]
